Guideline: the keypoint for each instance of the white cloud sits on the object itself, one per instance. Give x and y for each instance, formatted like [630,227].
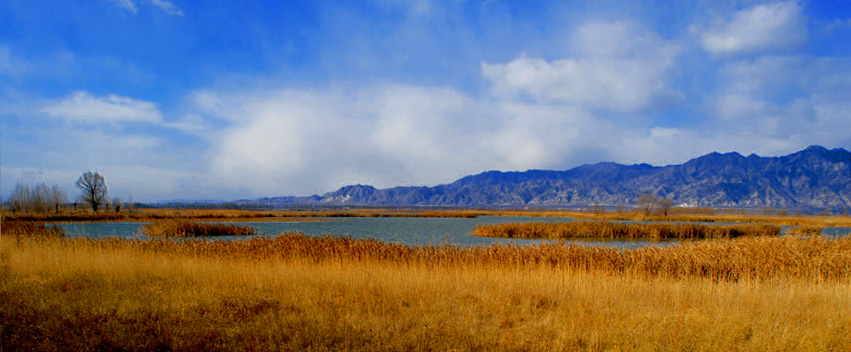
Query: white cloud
[765,27]
[309,142]
[164,5]
[127,5]
[836,25]
[731,106]
[544,115]
[415,7]
[619,67]
[13,65]
[189,123]
[305,142]
[167,7]
[86,108]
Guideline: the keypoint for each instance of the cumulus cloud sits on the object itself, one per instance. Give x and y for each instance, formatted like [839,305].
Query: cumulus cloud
[761,28]
[306,142]
[544,115]
[618,67]
[83,107]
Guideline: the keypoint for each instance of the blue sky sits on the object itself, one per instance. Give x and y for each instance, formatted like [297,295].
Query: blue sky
[226,100]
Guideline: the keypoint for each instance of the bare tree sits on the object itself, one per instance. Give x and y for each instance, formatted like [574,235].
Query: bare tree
[116,204]
[665,205]
[95,191]
[646,203]
[57,196]
[39,198]
[20,198]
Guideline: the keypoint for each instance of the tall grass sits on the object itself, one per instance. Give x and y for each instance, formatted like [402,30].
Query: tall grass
[805,230]
[749,258]
[29,229]
[592,229]
[179,228]
[304,293]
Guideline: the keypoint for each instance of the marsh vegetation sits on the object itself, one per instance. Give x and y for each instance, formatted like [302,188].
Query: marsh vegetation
[614,230]
[183,228]
[297,292]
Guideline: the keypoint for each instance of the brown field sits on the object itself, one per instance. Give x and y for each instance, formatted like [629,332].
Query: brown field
[599,229]
[296,292]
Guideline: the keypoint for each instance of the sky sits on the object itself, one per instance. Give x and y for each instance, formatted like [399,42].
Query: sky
[223,100]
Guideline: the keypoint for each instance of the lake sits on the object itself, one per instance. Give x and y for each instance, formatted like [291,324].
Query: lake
[409,231]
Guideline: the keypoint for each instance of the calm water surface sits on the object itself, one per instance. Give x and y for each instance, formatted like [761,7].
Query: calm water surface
[409,231]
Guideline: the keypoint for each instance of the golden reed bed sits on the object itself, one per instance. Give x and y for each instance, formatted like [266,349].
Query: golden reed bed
[756,258]
[182,228]
[295,292]
[594,229]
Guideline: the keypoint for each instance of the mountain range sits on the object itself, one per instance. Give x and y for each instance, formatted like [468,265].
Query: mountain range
[813,177]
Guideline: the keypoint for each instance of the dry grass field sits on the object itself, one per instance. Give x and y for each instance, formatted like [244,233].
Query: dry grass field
[295,292]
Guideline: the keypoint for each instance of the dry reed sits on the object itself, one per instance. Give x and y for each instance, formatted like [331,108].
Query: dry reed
[748,258]
[29,228]
[295,292]
[805,230]
[590,229]
[179,228]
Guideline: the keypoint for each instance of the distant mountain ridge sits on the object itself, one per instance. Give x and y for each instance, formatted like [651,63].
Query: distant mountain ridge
[813,177]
